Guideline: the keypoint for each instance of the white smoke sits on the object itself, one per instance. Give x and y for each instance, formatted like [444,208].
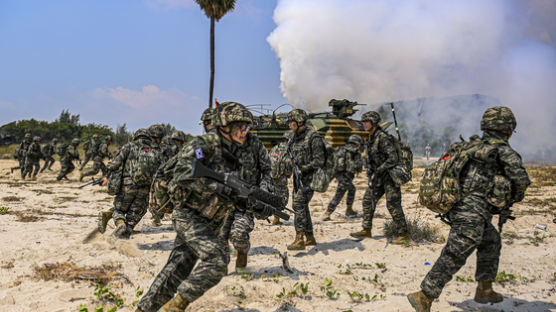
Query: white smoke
[383,50]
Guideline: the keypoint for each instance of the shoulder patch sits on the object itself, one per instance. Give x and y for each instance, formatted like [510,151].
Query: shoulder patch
[199,153]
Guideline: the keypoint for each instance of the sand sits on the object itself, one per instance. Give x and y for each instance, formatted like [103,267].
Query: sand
[45,222]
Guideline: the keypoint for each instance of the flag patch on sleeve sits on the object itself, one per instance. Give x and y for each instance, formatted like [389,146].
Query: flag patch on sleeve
[199,153]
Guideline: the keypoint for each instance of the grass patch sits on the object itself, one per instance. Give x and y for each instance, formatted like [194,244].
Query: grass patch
[7,151]
[419,229]
[4,210]
[543,175]
[67,271]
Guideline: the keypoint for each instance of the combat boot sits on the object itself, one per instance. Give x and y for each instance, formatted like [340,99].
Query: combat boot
[327,215]
[276,221]
[103,218]
[402,239]
[364,233]
[420,302]
[176,304]
[241,261]
[121,230]
[311,241]
[485,293]
[298,243]
[350,212]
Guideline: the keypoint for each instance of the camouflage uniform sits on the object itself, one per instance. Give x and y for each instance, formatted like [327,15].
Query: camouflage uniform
[172,145]
[350,156]
[281,169]
[48,150]
[381,156]
[99,151]
[32,158]
[471,217]
[66,160]
[200,211]
[308,152]
[88,149]
[131,202]
[20,153]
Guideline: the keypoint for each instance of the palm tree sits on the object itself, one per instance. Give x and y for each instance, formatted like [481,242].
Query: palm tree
[215,10]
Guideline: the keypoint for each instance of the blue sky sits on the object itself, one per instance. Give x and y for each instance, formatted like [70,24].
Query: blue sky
[131,61]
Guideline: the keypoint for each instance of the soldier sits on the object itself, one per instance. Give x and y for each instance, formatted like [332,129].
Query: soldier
[32,159]
[281,171]
[471,217]
[307,150]
[139,160]
[200,255]
[88,149]
[348,164]
[173,144]
[206,119]
[20,153]
[67,155]
[428,151]
[381,157]
[48,151]
[98,152]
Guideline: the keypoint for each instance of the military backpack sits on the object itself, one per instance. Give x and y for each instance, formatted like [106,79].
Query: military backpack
[142,164]
[323,176]
[61,149]
[340,159]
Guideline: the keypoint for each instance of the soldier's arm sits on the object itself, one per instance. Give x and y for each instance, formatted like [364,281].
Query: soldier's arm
[515,171]
[387,147]
[181,177]
[118,160]
[317,156]
[266,169]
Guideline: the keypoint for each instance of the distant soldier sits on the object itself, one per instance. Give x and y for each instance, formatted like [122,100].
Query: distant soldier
[282,170]
[173,144]
[20,153]
[48,150]
[32,159]
[98,153]
[67,155]
[428,151]
[206,119]
[308,151]
[138,160]
[485,185]
[89,148]
[382,156]
[348,164]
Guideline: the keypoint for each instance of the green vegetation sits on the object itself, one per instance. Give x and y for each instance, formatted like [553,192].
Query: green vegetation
[299,290]
[420,230]
[329,290]
[4,209]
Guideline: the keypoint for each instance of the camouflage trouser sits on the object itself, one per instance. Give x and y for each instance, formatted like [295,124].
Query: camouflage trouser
[393,203]
[196,243]
[66,168]
[85,161]
[131,204]
[302,219]
[242,226]
[469,231]
[345,183]
[48,162]
[283,191]
[29,165]
[98,165]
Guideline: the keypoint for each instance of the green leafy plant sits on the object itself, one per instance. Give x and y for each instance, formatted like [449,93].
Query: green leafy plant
[4,209]
[83,308]
[105,294]
[468,279]
[329,290]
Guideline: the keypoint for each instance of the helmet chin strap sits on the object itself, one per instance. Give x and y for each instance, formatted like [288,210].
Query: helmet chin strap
[228,136]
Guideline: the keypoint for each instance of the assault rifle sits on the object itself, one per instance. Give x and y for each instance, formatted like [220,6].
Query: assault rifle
[505,215]
[296,170]
[93,182]
[243,190]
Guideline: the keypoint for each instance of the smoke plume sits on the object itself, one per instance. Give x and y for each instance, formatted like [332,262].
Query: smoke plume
[383,50]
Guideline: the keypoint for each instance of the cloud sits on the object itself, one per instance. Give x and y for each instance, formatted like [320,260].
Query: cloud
[149,96]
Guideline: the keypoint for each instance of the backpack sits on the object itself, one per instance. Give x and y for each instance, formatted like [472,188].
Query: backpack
[440,185]
[142,164]
[323,176]
[401,173]
[61,149]
[340,159]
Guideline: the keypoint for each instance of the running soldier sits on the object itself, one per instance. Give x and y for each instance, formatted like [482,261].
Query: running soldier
[48,150]
[282,170]
[98,152]
[428,151]
[67,155]
[32,159]
[307,150]
[470,218]
[200,255]
[381,157]
[348,163]
[20,153]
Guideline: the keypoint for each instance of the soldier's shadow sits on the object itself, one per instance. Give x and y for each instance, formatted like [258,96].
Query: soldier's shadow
[271,272]
[339,245]
[263,250]
[162,245]
[509,304]
[157,229]
[241,310]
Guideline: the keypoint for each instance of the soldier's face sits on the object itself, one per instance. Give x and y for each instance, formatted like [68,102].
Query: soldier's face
[293,125]
[239,132]
[368,125]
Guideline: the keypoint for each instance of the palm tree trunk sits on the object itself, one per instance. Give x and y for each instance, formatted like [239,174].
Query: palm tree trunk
[211,61]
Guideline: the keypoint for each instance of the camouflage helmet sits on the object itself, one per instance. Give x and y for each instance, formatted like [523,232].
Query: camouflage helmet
[54,141]
[156,131]
[178,136]
[355,139]
[141,133]
[207,114]
[36,138]
[229,112]
[95,137]
[75,141]
[371,116]
[27,135]
[498,118]
[298,115]
[108,138]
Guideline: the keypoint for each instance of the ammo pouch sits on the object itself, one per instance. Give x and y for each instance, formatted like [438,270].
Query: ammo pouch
[486,154]
[320,181]
[500,193]
[115,181]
